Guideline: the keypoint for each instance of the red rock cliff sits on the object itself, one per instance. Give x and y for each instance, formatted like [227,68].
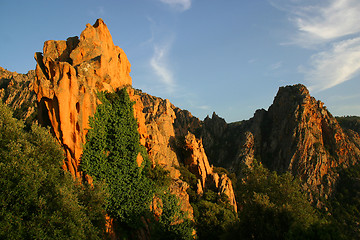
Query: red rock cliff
[68,75]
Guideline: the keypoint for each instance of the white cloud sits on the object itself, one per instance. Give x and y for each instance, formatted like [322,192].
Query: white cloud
[340,18]
[181,5]
[331,26]
[321,21]
[159,64]
[334,66]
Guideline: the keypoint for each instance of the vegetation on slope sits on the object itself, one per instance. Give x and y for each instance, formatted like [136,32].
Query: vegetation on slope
[38,200]
[345,203]
[213,213]
[350,122]
[110,156]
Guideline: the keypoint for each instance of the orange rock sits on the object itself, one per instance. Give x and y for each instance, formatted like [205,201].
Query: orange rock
[199,165]
[160,137]
[225,187]
[68,76]
[197,160]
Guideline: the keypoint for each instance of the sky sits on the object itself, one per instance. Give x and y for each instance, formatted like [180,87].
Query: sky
[223,56]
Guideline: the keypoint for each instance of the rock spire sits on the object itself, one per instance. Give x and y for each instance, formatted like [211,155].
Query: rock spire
[68,76]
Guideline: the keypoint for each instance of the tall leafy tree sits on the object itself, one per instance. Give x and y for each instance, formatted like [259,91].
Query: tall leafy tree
[110,155]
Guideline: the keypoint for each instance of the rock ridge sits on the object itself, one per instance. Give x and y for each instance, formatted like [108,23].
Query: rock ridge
[297,134]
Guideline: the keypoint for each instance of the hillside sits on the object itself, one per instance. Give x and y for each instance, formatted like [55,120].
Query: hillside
[190,178]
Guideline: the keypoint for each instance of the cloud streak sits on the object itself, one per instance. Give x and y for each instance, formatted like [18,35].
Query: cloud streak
[332,26]
[334,66]
[340,18]
[158,62]
[321,23]
[181,5]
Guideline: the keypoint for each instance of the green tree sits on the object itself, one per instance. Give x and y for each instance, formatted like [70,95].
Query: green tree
[38,200]
[110,154]
[173,223]
[271,206]
[345,203]
[213,219]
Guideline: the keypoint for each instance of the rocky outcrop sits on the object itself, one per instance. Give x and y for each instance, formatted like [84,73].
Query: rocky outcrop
[68,76]
[297,134]
[198,164]
[300,135]
[16,92]
[160,141]
[169,136]
[196,158]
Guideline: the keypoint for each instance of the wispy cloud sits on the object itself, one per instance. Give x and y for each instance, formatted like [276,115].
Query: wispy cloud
[159,63]
[321,21]
[332,26]
[334,66]
[160,44]
[276,65]
[181,5]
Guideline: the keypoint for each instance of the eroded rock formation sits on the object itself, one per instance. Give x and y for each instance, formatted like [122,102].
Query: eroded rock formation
[168,132]
[68,76]
[295,134]
[16,92]
[302,136]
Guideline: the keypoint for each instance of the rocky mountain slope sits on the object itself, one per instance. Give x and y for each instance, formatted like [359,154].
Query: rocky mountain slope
[68,76]
[296,134]
[16,90]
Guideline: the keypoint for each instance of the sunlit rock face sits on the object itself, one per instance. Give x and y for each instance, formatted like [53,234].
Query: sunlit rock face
[170,142]
[68,76]
[16,91]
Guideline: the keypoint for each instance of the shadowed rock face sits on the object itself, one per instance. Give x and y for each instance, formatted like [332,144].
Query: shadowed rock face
[301,136]
[68,75]
[296,134]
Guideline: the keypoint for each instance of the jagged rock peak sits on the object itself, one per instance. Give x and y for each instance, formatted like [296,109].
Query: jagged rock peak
[297,89]
[68,75]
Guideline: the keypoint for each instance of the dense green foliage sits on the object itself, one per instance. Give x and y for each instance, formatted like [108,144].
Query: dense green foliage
[213,213]
[38,200]
[271,206]
[345,204]
[350,122]
[213,218]
[110,155]
[173,223]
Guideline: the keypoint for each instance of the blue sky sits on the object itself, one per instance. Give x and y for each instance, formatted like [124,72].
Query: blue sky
[227,56]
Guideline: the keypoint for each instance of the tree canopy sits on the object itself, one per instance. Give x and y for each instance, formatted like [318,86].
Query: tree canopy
[38,200]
